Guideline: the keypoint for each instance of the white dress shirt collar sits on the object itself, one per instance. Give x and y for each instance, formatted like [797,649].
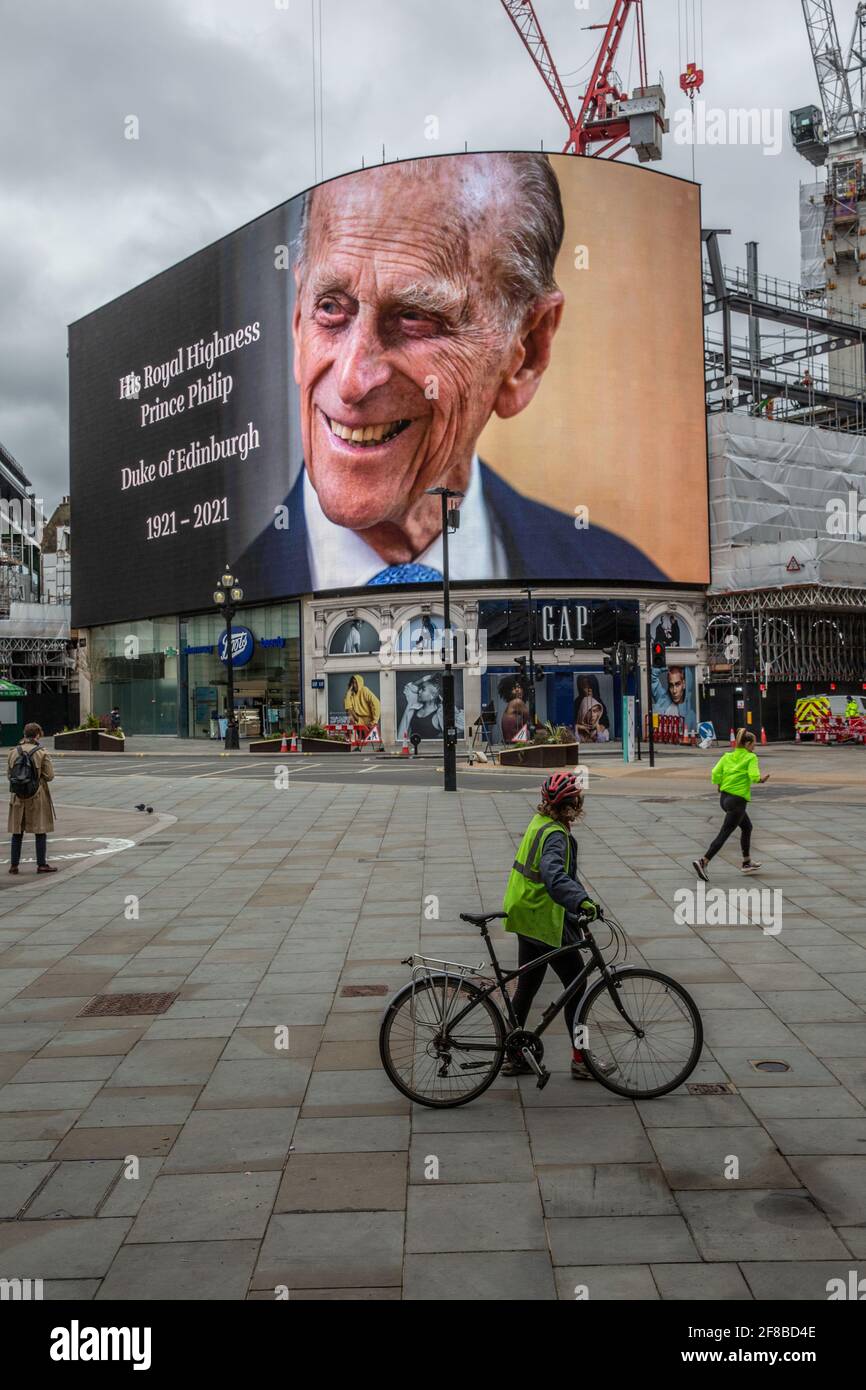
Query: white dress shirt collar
[340,559]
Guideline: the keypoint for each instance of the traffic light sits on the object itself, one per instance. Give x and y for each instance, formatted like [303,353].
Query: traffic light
[660,655]
[540,674]
[520,663]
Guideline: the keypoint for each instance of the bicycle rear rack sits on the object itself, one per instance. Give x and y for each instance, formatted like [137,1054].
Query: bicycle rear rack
[427,969]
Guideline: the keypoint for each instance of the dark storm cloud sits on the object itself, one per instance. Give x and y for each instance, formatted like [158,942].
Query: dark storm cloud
[223,91]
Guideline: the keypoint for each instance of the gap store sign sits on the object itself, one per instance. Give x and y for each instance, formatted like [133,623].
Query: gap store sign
[578,623]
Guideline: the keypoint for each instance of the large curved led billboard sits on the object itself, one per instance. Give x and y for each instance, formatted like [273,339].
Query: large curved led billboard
[524,330]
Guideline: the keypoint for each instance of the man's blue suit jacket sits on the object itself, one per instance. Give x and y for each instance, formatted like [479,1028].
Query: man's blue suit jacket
[540,544]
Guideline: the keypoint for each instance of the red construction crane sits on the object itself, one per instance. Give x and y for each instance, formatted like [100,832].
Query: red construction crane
[608,118]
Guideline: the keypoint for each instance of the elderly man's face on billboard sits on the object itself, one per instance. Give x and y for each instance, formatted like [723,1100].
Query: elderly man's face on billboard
[406,340]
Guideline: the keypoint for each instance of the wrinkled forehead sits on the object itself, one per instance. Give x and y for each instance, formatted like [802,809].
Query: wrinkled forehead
[433,219]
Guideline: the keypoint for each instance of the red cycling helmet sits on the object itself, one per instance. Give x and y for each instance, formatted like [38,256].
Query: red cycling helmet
[560,787]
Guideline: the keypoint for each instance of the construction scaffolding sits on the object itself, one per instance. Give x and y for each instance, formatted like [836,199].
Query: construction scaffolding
[808,634]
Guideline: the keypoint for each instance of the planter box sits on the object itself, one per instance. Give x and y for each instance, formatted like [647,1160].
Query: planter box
[325,745]
[88,741]
[541,755]
[269,745]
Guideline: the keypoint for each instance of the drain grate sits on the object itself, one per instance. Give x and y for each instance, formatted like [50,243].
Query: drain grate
[103,1005]
[711,1088]
[362,991]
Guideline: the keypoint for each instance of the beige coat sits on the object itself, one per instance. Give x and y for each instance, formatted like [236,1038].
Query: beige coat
[35,816]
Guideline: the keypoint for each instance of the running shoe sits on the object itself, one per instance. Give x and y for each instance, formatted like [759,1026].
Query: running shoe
[750,868]
[700,869]
[580,1071]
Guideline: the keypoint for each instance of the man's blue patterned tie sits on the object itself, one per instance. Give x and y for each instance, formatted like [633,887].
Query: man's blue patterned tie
[406,574]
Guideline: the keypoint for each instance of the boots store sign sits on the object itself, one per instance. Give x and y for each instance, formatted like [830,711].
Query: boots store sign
[243,646]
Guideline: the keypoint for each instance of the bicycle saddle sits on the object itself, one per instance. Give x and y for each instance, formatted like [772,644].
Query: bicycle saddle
[482,919]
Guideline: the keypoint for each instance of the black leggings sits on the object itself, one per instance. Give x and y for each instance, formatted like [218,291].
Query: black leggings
[566,967]
[736,810]
[41,850]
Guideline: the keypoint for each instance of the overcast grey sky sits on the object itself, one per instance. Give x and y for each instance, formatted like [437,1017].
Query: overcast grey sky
[223,92]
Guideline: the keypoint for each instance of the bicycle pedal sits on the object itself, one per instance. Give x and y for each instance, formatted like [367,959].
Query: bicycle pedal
[543,1078]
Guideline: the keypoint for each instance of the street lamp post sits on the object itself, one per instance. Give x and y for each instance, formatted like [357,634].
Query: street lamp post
[530,615]
[449,730]
[227,597]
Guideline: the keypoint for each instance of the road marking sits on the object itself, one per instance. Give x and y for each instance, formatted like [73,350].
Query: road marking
[111,844]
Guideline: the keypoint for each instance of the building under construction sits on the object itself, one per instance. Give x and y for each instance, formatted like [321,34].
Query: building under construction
[786,382]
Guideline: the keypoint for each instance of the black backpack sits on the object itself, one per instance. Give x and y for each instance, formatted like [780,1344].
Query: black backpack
[23,775]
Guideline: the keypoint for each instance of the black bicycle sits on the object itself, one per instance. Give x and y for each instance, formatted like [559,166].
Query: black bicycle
[443,1038]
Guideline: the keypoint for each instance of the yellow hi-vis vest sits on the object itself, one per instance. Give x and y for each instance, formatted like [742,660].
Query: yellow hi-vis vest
[531,910]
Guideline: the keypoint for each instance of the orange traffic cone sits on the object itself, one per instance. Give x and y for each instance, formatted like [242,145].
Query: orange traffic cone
[404,751]
[294,747]
[763,735]
[284,747]
[796,735]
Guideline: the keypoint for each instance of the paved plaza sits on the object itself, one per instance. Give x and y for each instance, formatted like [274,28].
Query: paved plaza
[183,1154]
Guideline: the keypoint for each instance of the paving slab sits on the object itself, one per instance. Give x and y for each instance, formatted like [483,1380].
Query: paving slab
[838,1185]
[795,1281]
[605,1189]
[343,1182]
[331,1250]
[184,1270]
[705,1158]
[206,1206]
[227,1141]
[68,1249]
[689,1283]
[758,1225]
[74,1189]
[18,1182]
[474,1216]
[523,1276]
[609,1240]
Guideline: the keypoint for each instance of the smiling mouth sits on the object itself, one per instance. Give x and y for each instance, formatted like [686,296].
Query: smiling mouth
[367,436]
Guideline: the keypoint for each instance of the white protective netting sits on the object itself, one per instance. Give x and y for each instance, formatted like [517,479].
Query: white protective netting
[774,488]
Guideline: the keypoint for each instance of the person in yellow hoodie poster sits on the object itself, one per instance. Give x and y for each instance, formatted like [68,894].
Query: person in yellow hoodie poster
[734,774]
[361,705]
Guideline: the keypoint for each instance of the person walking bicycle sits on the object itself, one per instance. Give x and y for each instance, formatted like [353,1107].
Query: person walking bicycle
[31,810]
[734,774]
[543,899]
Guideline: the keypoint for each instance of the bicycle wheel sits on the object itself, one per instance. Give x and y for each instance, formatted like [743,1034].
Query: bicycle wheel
[424,1059]
[665,1013]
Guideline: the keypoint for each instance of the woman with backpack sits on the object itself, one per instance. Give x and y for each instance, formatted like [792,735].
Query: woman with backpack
[734,774]
[31,810]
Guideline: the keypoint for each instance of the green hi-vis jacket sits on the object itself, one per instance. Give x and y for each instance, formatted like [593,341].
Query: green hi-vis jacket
[531,910]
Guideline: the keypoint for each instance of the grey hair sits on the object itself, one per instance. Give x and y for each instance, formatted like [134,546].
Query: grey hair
[526,263]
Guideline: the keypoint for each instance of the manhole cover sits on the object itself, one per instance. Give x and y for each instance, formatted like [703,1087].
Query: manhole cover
[771,1066]
[104,1004]
[711,1088]
[360,991]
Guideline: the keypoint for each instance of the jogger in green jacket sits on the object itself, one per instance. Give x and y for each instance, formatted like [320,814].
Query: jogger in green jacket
[734,774]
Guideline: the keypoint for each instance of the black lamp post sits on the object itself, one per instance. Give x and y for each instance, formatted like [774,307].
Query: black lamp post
[450,517]
[227,597]
[530,616]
